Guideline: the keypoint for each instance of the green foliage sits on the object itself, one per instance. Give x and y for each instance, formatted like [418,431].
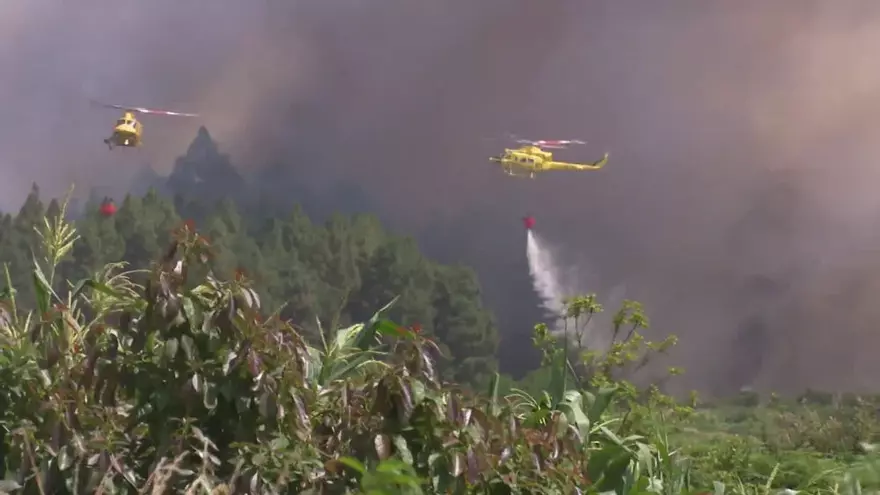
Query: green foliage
[179,384]
[176,379]
[819,443]
[335,273]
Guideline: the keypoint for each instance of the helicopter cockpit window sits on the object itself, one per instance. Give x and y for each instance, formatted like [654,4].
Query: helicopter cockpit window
[120,122]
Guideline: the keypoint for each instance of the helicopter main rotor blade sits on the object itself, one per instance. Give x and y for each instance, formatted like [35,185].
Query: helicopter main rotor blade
[108,105]
[162,112]
[551,143]
[148,111]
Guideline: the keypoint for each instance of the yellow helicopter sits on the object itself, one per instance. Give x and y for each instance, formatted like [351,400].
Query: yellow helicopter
[532,158]
[128,130]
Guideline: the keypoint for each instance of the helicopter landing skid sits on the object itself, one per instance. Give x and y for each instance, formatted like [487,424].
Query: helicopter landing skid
[531,175]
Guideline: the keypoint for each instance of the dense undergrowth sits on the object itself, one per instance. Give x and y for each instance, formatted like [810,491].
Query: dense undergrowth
[171,380]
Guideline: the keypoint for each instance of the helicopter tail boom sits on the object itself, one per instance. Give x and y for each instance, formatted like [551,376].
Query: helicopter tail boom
[597,165]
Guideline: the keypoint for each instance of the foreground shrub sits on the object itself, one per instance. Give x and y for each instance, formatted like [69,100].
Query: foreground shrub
[156,382]
[171,380]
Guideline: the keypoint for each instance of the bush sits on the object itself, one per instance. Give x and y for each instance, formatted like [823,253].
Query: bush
[176,385]
[167,382]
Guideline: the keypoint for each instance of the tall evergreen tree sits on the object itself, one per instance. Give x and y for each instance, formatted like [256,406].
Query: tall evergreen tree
[100,243]
[463,326]
[398,268]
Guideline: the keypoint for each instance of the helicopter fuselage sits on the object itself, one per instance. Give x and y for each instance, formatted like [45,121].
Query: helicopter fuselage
[126,132]
[524,161]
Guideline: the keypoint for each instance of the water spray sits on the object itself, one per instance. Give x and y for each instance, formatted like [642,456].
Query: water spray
[553,285]
[545,274]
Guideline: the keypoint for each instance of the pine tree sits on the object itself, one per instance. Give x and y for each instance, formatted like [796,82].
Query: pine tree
[20,244]
[461,323]
[100,243]
[398,268]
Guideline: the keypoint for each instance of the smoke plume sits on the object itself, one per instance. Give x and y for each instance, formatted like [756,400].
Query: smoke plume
[739,205]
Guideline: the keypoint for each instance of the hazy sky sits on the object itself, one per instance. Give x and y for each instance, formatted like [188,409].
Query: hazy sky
[742,139]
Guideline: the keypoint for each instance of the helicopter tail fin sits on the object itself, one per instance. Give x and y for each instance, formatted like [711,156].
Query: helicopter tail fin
[597,165]
[602,162]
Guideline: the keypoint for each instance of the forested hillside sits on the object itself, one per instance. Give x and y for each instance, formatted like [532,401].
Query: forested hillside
[339,271]
[204,174]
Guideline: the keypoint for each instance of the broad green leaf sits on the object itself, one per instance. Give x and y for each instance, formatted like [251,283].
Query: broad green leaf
[65,458]
[95,286]
[353,464]
[171,346]
[279,443]
[382,445]
[572,406]
[607,467]
[402,449]
[192,312]
[378,314]
[229,360]
[600,403]
[188,347]
[209,397]
[365,338]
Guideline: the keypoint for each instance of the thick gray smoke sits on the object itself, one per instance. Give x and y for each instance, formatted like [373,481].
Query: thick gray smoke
[739,205]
